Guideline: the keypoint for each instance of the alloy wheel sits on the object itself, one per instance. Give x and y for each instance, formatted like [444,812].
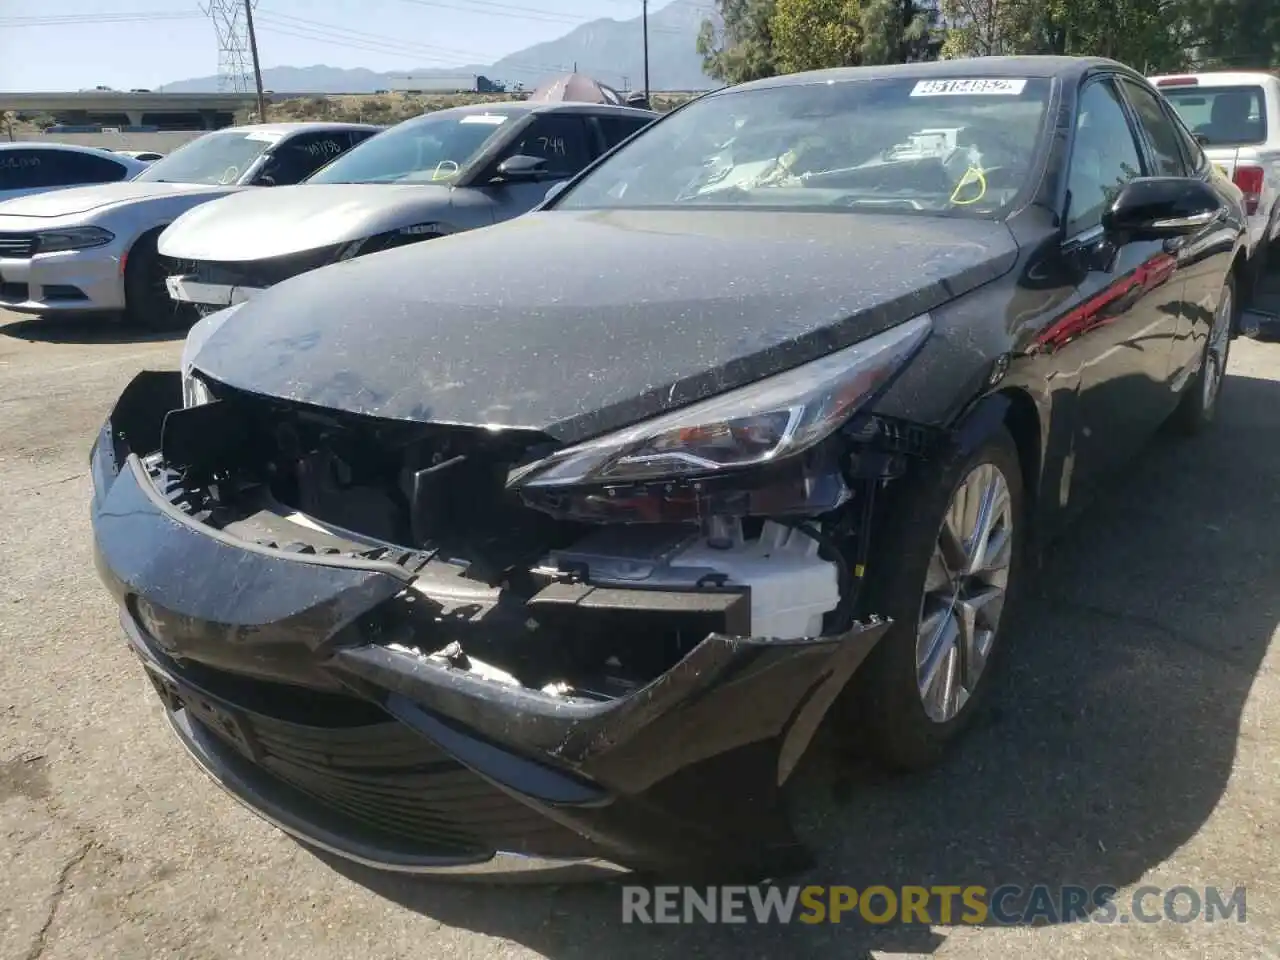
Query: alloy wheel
[1215,357]
[964,592]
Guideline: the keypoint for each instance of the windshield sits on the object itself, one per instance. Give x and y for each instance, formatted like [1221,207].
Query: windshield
[931,146]
[431,149]
[214,158]
[1222,116]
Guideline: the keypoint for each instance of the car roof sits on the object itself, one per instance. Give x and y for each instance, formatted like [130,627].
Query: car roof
[570,106]
[520,107]
[302,126]
[70,147]
[1066,68]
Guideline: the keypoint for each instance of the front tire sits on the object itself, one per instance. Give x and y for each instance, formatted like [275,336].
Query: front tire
[147,301]
[952,546]
[1199,401]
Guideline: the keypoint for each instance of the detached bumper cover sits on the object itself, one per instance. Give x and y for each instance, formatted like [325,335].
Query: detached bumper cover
[277,678]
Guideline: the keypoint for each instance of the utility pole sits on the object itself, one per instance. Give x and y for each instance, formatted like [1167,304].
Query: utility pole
[257,67]
[645,16]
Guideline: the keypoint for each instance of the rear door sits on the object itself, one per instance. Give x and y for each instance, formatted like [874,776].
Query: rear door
[1117,338]
[614,128]
[1203,259]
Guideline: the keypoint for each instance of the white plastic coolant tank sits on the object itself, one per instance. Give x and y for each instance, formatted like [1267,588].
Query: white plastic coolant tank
[791,586]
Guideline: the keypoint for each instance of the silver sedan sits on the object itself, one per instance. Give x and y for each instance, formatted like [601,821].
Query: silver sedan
[93,249]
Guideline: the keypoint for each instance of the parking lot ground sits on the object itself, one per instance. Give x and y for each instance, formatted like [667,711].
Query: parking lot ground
[1137,740]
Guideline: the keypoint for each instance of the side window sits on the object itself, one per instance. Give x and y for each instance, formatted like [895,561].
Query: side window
[560,139]
[617,129]
[1165,148]
[298,157]
[1197,162]
[1103,159]
[86,168]
[23,169]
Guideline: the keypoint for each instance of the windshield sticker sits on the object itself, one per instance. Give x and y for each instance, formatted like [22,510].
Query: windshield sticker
[997,86]
[322,148]
[493,119]
[264,137]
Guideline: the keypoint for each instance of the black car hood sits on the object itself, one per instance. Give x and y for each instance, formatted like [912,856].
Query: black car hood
[574,324]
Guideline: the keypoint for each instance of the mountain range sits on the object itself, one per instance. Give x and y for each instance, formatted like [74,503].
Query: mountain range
[609,50]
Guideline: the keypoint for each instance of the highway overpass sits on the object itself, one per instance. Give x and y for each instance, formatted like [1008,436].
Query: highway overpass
[166,111]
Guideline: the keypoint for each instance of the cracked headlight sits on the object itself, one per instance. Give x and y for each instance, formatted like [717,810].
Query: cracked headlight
[72,238]
[750,426]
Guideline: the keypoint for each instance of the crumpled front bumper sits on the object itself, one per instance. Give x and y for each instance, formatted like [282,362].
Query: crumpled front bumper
[276,674]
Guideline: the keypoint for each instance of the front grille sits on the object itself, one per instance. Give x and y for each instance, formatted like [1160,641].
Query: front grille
[17,246]
[250,273]
[388,777]
[351,758]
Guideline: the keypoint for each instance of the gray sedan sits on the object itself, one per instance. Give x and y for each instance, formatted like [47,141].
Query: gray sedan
[441,173]
[93,249]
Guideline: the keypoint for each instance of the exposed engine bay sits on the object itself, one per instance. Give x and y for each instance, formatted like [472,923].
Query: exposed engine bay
[588,597]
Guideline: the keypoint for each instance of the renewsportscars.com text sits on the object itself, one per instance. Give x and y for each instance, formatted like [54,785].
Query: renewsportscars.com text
[1007,905]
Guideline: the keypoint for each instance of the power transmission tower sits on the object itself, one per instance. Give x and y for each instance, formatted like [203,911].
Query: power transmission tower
[235,74]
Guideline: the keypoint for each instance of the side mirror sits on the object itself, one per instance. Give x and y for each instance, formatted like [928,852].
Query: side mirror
[555,190]
[266,180]
[1158,208]
[522,168]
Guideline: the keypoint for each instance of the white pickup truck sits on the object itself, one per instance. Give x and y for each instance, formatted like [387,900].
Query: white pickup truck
[1236,117]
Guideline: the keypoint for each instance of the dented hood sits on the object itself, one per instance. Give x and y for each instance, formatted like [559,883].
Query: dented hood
[576,323]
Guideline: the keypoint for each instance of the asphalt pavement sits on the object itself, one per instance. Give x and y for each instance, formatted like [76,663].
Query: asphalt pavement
[1137,741]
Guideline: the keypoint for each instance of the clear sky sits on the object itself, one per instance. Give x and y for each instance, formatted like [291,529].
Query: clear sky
[74,44]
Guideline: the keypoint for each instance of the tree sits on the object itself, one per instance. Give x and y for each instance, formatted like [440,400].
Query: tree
[813,34]
[1234,34]
[899,31]
[740,48]
[1149,35]
[986,28]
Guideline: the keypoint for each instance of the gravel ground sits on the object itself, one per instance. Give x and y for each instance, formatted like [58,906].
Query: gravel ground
[1136,743]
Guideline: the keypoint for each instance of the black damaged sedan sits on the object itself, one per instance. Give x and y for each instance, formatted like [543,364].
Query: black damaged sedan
[557,541]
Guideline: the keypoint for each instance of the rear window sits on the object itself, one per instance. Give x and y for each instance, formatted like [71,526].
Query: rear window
[1222,116]
[21,169]
[25,169]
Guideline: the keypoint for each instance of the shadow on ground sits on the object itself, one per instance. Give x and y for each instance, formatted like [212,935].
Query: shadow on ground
[1113,744]
[103,329]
